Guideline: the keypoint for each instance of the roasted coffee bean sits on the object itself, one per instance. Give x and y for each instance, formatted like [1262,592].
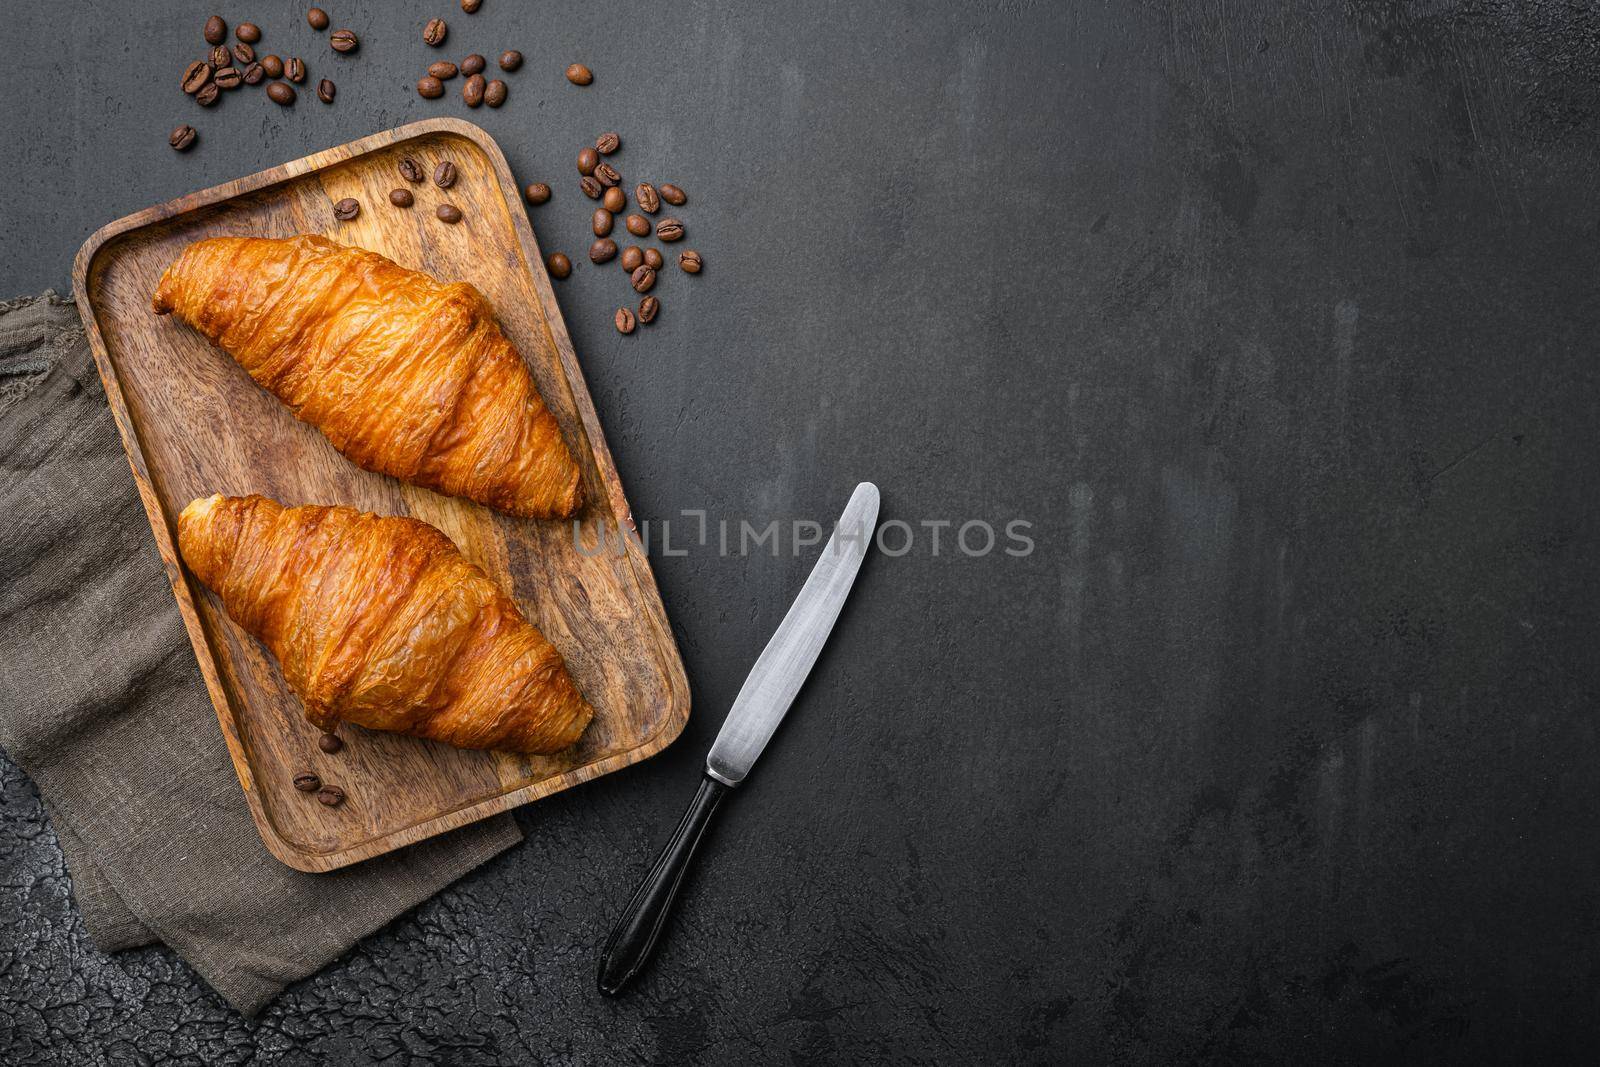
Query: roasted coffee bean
[632,257]
[588,159]
[578,74]
[591,186]
[325,91]
[624,320]
[307,782]
[273,65]
[331,795]
[448,213]
[195,76]
[473,64]
[445,174]
[182,138]
[602,250]
[283,94]
[318,18]
[649,308]
[216,30]
[689,261]
[346,209]
[221,57]
[607,174]
[614,199]
[642,279]
[494,94]
[429,87]
[601,223]
[444,70]
[510,60]
[471,6]
[558,265]
[254,73]
[295,71]
[208,94]
[669,230]
[472,91]
[243,54]
[647,198]
[673,195]
[248,32]
[638,225]
[607,143]
[330,742]
[537,193]
[434,33]
[401,197]
[228,78]
[411,170]
[652,258]
[343,41]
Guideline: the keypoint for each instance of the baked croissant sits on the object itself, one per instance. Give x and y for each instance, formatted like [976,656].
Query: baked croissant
[381,622]
[404,375]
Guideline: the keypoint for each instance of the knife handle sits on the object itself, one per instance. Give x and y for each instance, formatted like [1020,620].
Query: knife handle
[637,932]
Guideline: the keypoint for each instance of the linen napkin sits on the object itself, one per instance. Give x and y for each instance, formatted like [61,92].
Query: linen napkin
[102,704]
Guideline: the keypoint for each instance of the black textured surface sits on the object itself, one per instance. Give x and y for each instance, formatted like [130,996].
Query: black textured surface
[1277,320]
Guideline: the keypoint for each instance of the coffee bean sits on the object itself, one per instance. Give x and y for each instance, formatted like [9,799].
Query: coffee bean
[273,65]
[434,33]
[689,261]
[648,199]
[221,57]
[401,197]
[307,782]
[472,91]
[632,257]
[673,195]
[510,60]
[494,94]
[228,78]
[638,225]
[649,308]
[448,213]
[591,186]
[346,209]
[588,159]
[642,279]
[331,795]
[243,54]
[473,64]
[471,6]
[248,32]
[343,41]
[429,87]
[325,91]
[537,193]
[614,199]
[607,143]
[295,71]
[318,18]
[282,93]
[444,70]
[254,73]
[182,138]
[195,76]
[601,223]
[216,30]
[558,265]
[652,257]
[669,230]
[445,174]
[607,174]
[208,94]
[411,170]
[330,742]
[624,320]
[578,74]
[603,249]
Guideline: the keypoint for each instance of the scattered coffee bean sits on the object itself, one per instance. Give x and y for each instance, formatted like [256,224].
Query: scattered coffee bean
[295,70]
[669,230]
[602,250]
[649,308]
[591,186]
[578,74]
[307,782]
[624,320]
[588,159]
[243,54]
[273,65]
[343,41]
[444,70]
[401,197]
[282,93]
[195,76]
[648,199]
[434,33]
[228,78]
[182,138]
[607,174]
[632,257]
[248,32]
[216,30]
[346,209]
[601,223]
[208,94]
[411,170]
[448,213]
[642,279]
[689,261]
[510,60]
[254,74]
[445,174]
[318,19]
[607,143]
[471,6]
[429,87]
[330,742]
[494,94]
[472,91]
[221,57]
[331,795]
[614,199]
[325,91]
[638,225]
[558,265]
[537,193]
[473,64]
[652,257]
[673,195]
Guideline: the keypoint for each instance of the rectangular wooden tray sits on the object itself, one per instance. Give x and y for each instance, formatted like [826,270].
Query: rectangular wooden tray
[193,423]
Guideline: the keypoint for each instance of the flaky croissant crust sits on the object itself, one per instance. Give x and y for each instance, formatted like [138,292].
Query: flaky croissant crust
[404,375]
[381,622]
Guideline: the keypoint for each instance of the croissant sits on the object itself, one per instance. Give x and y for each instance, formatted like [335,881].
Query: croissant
[381,622]
[404,375]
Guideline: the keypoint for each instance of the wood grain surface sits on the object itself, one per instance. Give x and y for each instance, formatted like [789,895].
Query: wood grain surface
[194,423]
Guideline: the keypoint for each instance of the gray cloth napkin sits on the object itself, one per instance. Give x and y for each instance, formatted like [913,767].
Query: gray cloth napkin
[101,702]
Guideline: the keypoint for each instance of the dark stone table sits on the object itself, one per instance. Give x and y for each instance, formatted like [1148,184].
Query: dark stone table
[1278,324]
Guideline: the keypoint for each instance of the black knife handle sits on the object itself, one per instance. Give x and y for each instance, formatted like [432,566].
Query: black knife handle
[642,920]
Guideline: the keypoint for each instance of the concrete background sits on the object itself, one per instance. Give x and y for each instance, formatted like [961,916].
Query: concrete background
[1276,320]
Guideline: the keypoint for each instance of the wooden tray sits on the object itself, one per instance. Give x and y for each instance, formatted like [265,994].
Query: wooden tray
[193,423]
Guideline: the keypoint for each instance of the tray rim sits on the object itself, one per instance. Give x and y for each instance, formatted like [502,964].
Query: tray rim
[677,712]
